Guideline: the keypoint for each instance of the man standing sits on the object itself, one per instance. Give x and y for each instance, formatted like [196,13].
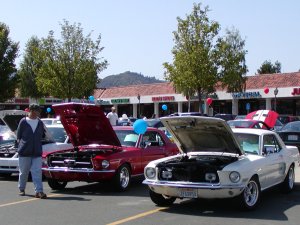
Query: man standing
[113,116]
[29,136]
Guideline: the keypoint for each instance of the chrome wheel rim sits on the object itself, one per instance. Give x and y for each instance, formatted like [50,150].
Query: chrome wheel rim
[251,193]
[124,177]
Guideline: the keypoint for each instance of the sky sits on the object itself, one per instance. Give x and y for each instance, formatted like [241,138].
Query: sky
[137,35]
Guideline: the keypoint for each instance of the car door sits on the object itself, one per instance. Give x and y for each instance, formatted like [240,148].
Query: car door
[153,147]
[274,164]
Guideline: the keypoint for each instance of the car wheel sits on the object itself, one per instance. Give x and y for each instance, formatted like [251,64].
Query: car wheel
[122,179]
[161,200]
[57,185]
[250,197]
[289,181]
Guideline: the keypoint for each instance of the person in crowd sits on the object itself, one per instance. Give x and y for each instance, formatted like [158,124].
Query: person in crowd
[113,117]
[30,133]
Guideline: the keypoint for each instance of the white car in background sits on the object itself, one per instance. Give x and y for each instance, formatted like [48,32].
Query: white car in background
[8,148]
[217,162]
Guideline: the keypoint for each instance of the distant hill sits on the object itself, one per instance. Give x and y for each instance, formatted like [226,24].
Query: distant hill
[125,79]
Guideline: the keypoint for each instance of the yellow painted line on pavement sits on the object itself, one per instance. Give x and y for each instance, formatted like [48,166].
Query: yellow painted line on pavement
[137,216]
[27,200]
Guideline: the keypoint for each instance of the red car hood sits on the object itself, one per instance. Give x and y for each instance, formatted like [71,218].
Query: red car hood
[86,124]
[267,116]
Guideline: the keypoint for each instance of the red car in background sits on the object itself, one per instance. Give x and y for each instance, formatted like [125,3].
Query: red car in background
[102,152]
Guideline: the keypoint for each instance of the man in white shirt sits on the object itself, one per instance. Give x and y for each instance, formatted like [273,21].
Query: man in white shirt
[113,116]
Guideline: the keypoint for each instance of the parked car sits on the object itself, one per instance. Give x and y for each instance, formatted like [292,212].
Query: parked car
[126,121]
[188,114]
[102,152]
[290,133]
[284,119]
[225,116]
[8,148]
[248,123]
[216,163]
[51,121]
[58,133]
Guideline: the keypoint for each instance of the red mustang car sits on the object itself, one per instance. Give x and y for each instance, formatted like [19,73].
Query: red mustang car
[102,152]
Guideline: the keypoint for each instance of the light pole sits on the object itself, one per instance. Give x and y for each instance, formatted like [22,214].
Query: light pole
[139,111]
[275,102]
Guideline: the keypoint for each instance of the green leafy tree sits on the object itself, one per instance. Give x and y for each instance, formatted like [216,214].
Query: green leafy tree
[8,53]
[26,72]
[231,60]
[268,68]
[70,65]
[193,70]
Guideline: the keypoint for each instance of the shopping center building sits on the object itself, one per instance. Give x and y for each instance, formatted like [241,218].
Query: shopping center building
[279,92]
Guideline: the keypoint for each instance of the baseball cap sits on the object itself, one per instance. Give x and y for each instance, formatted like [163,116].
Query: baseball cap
[34,107]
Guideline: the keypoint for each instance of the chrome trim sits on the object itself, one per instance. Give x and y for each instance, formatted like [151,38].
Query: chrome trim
[193,185]
[81,170]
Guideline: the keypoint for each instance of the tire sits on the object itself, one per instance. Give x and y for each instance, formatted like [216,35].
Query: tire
[251,195]
[161,200]
[289,181]
[122,178]
[57,185]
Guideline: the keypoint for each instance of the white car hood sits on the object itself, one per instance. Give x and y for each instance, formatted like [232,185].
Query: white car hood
[201,134]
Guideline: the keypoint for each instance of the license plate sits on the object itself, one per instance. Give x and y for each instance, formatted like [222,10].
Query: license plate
[292,137]
[188,193]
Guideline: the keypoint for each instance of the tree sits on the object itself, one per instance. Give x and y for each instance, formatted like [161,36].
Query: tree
[71,65]
[8,53]
[231,60]
[26,72]
[268,68]
[193,69]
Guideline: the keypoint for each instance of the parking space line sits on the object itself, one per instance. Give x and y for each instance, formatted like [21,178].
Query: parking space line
[137,216]
[27,200]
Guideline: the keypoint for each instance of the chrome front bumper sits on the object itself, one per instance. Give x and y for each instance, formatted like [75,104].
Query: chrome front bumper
[81,170]
[202,190]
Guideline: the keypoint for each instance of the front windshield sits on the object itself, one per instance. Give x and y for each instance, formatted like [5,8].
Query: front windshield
[248,142]
[58,134]
[127,137]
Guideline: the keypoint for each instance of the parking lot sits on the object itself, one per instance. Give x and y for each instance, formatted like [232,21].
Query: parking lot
[82,203]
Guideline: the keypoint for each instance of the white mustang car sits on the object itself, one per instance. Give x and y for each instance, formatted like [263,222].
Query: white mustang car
[218,162]
[8,150]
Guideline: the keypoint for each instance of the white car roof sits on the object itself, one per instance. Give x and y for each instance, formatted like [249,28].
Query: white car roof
[252,130]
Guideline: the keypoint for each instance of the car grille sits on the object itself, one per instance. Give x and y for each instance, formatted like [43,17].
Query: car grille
[76,161]
[7,151]
[191,173]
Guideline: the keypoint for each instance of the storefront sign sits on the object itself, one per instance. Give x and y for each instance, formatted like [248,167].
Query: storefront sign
[120,101]
[18,100]
[102,102]
[254,94]
[296,91]
[163,98]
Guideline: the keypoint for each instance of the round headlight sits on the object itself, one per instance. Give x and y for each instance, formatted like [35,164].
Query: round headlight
[105,164]
[234,177]
[150,173]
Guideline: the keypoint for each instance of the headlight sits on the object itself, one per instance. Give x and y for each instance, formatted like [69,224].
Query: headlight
[234,177]
[105,164]
[150,173]
[210,177]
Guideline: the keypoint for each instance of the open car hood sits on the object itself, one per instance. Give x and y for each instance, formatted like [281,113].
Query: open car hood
[12,118]
[202,134]
[267,116]
[86,124]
